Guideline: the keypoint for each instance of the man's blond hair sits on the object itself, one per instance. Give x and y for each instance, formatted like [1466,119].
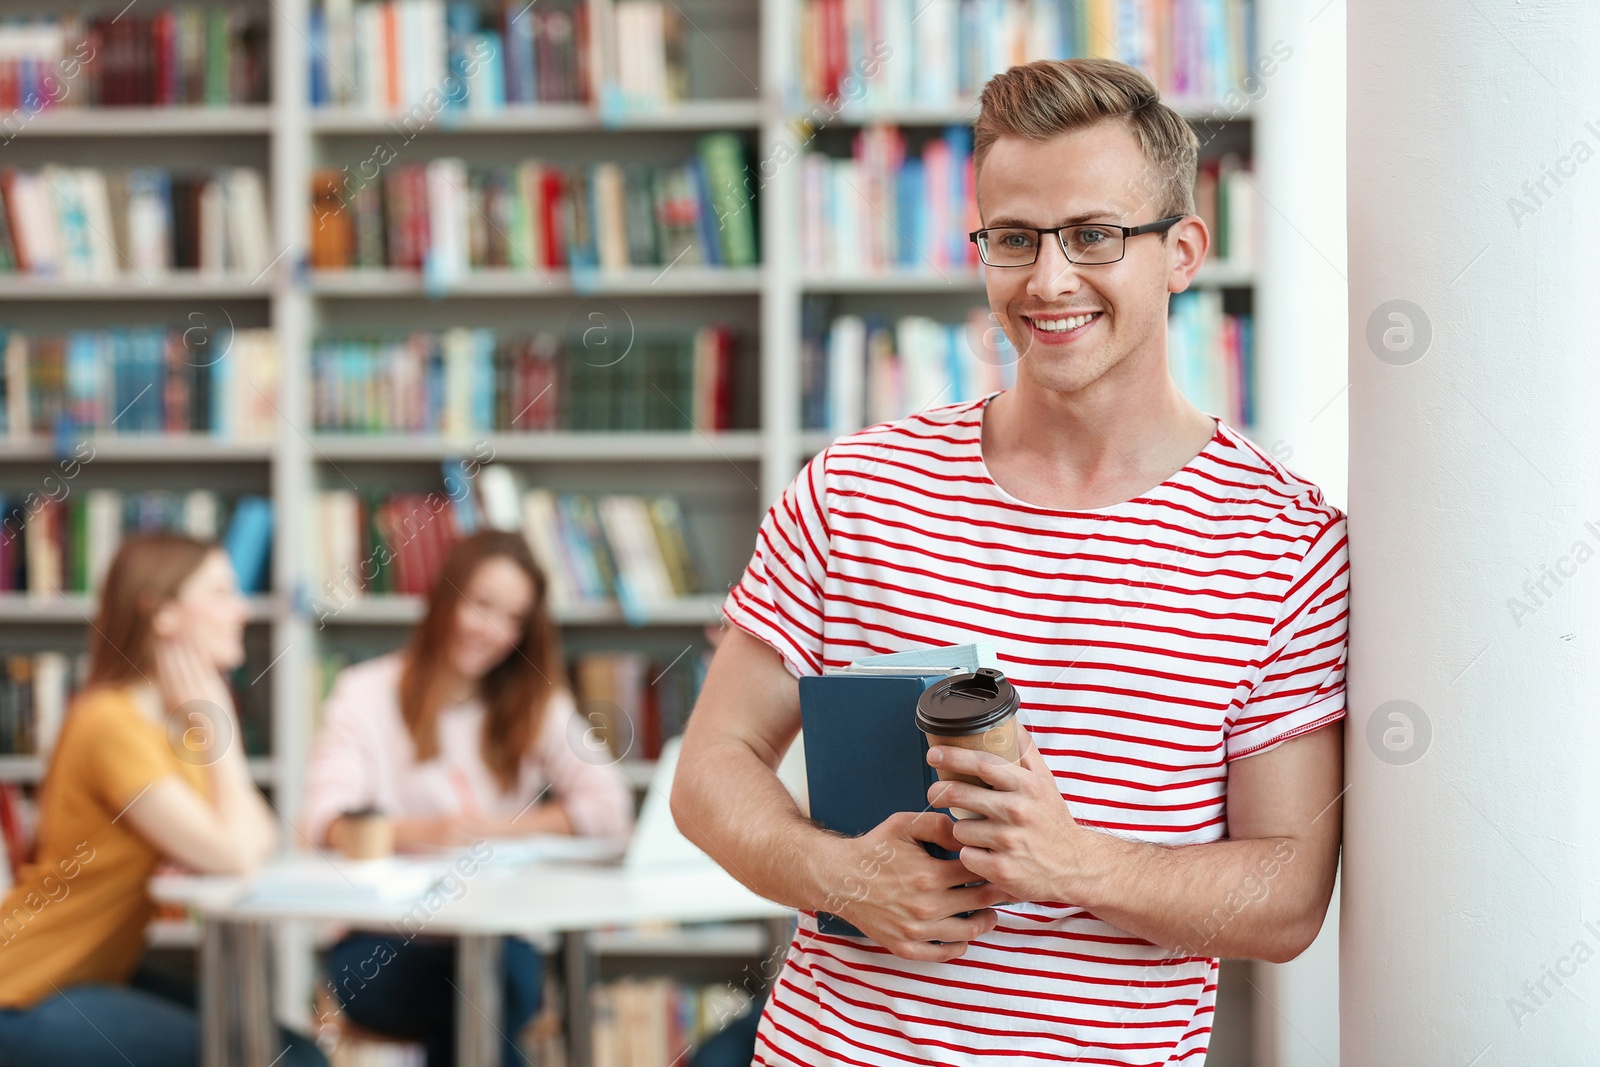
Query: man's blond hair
[1040,100]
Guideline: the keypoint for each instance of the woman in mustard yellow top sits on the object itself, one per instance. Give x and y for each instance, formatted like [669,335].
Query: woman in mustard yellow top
[148,768]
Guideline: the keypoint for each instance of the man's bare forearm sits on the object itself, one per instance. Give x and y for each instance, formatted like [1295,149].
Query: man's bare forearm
[734,807]
[1261,898]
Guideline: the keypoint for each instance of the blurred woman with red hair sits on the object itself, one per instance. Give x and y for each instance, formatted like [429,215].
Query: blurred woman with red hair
[149,768]
[466,734]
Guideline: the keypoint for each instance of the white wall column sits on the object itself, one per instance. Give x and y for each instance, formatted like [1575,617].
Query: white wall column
[1301,382]
[1471,896]
[1301,308]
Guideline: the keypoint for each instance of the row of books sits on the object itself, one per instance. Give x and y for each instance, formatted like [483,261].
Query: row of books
[424,56]
[1210,353]
[185,55]
[653,1022]
[883,208]
[140,379]
[57,540]
[88,223]
[858,370]
[34,691]
[637,702]
[419,58]
[37,688]
[1225,196]
[448,218]
[877,53]
[464,381]
[622,548]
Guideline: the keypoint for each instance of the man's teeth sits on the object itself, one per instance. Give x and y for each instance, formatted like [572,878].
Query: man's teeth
[1062,325]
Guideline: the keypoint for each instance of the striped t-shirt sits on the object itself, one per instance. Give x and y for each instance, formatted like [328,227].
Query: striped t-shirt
[1152,642]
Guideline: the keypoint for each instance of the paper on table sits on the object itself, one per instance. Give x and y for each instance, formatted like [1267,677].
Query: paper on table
[553,848]
[327,879]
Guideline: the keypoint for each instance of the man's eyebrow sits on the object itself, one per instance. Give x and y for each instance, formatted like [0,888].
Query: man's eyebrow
[1102,215]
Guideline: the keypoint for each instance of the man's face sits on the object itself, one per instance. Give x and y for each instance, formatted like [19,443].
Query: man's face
[1088,175]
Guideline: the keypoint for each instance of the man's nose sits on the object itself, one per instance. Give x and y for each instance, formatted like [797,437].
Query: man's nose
[1053,273]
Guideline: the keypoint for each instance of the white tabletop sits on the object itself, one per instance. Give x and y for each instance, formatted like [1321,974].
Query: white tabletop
[495,899]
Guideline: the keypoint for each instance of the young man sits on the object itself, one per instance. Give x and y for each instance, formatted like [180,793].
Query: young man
[1169,601]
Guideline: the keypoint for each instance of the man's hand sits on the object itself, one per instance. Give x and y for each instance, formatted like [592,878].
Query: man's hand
[1027,842]
[886,884]
[1260,893]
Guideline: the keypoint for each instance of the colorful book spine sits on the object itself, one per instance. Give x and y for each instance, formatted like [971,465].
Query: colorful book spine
[886,208]
[625,549]
[150,57]
[420,58]
[861,370]
[464,381]
[140,380]
[449,218]
[60,222]
[1210,355]
[868,54]
[63,541]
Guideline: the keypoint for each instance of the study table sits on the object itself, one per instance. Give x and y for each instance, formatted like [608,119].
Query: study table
[565,899]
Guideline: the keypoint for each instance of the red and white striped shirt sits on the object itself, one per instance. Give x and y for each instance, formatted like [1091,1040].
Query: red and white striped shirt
[1152,642]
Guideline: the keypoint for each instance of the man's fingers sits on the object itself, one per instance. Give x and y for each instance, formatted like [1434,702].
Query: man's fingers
[936,828]
[927,951]
[986,766]
[957,929]
[986,802]
[975,897]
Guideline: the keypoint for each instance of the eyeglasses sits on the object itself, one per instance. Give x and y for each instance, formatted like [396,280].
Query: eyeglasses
[1089,242]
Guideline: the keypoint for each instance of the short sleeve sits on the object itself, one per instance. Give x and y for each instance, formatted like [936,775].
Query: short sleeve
[597,798]
[123,753]
[1299,685]
[341,772]
[779,598]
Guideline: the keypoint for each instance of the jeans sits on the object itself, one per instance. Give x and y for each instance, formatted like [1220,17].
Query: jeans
[148,1023]
[406,990]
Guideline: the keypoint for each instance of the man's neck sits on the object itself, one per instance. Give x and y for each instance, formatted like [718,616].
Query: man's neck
[1075,451]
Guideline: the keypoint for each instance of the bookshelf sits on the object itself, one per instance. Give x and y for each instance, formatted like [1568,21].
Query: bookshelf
[742,55]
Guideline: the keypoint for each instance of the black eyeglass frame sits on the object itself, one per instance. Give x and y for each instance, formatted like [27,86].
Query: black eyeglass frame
[1158,226]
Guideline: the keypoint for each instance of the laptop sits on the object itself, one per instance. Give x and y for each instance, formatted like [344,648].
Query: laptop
[657,843]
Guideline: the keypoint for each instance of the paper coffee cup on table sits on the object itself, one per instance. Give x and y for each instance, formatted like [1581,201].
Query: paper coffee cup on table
[366,835]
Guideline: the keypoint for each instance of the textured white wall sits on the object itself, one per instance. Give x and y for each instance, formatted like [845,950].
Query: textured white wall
[1301,315]
[1300,304]
[1471,897]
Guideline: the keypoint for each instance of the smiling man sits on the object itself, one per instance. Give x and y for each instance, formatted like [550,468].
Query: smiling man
[1169,601]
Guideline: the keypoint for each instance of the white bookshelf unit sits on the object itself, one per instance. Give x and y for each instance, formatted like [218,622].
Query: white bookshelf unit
[747,83]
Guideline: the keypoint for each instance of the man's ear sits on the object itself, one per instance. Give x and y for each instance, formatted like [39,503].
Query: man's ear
[1190,240]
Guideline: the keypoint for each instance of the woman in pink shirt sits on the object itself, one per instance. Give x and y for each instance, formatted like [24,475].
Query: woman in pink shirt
[467,734]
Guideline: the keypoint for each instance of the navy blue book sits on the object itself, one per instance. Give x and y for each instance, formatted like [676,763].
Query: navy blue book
[865,757]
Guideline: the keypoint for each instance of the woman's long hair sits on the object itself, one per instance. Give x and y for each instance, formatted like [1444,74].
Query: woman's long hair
[147,572]
[514,692]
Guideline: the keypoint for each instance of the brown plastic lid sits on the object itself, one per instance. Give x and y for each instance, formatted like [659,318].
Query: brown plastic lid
[965,704]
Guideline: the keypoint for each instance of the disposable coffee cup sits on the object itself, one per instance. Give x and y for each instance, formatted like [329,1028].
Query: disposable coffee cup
[366,835]
[976,711]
